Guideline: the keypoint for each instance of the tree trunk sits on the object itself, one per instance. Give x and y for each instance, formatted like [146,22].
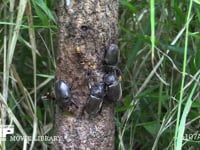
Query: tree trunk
[86,30]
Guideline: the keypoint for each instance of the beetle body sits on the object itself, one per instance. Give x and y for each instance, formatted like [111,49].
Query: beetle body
[94,105]
[113,87]
[62,93]
[112,55]
[95,99]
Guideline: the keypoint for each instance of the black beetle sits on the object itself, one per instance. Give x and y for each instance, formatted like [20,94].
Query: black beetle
[112,55]
[113,87]
[62,93]
[95,99]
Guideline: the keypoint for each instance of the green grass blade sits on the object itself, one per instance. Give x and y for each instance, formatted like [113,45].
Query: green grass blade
[41,10]
[183,76]
[152,11]
[186,110]
[22,6]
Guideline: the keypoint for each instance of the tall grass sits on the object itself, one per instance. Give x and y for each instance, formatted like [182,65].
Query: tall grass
[21,104]
[180,126]
[160,101]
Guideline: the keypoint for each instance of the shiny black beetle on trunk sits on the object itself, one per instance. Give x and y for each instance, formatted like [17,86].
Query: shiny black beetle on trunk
[113,87]
[112,55]
[62,93]
[95,99]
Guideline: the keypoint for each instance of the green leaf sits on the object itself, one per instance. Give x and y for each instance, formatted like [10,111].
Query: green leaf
[152,127]
[46,76]
[126,105]
[128,5]
[197,1]
[39,113]
[42,11]
[196,105]
[176,49]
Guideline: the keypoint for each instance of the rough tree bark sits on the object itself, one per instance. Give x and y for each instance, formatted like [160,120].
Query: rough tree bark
[86,29]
